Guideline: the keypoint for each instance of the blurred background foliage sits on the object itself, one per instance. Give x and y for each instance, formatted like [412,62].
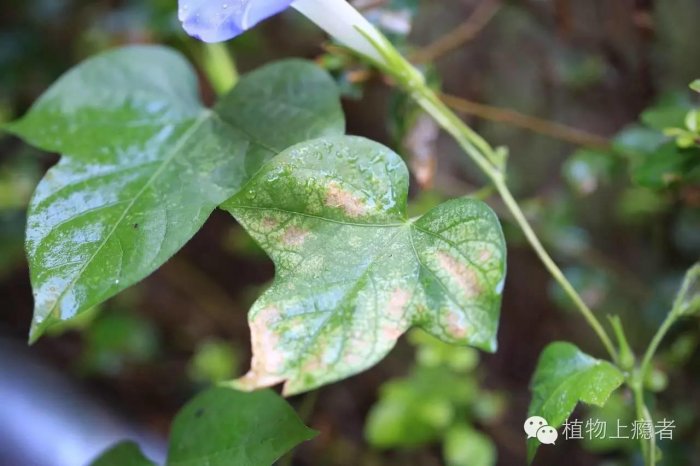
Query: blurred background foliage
[592,100]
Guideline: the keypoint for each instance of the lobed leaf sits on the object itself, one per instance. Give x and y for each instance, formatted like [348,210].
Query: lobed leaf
[144,164]
[563,377]
[352,272]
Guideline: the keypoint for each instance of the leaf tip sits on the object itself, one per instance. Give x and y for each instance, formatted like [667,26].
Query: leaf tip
[35,333]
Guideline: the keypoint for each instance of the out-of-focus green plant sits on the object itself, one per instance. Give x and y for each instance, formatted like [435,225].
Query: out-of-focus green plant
[214,361]
[117,338]
[354,272]
[439,402]
[663,151]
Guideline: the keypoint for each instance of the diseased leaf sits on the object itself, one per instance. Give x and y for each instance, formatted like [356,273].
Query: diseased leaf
[353,273]
[563,377]
[123,454]
[224,427]
[145,164]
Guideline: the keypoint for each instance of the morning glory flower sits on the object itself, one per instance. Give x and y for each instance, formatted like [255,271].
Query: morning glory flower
[220,20]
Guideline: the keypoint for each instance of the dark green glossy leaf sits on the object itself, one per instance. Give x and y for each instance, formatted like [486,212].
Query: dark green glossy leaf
[123,454]
[145,164]
[224,427]
[353,273]
[563,377]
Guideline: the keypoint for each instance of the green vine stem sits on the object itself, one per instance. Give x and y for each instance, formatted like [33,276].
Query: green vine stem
[681,306]
[491,161]
[636,383]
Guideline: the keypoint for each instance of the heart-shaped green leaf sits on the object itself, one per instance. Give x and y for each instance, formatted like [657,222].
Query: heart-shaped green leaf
[352,272]
[224,427]
[563,377]
[145,164]
[123,454]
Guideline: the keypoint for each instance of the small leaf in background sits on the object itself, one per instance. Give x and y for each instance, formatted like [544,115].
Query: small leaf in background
[666,166]
[464,446]
[681,349]
[352,272]
[669,113]
[687,301]
[695,85]
[144,164]
[636,139]
[224,427]
[214,361]
[123,454]
[565,376]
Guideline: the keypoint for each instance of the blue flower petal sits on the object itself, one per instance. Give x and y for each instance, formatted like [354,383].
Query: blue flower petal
[220,20]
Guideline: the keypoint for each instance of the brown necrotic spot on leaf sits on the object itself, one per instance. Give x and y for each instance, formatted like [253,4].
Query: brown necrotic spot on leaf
[459,273]
[267,362]
[338,197]
[294,236]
